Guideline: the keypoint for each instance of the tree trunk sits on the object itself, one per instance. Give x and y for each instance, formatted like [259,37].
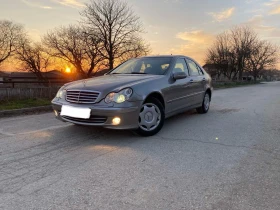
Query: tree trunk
[240,77]
[111,63]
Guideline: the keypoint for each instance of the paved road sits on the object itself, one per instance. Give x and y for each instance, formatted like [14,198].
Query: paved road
[227,159]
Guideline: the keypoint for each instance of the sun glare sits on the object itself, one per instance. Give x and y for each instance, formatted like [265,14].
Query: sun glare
[68,70]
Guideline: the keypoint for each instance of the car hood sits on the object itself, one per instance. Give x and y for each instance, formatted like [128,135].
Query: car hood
[110,83]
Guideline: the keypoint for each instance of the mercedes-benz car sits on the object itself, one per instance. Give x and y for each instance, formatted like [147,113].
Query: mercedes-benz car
[139,94]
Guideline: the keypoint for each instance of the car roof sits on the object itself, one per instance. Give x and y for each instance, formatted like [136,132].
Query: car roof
[166,56]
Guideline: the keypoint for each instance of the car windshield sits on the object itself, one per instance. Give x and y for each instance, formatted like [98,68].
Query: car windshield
[155,66]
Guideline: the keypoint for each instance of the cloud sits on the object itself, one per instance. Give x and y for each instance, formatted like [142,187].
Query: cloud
[223,15]
[249,1]
[275,33]
[257,22]
[173,1]
[271,3]
[35,34]
[275,11]
[70,3]
[265,31]
[46,7]
[33,3]
[192,50]
[197,44]
[198,36]
[275,5]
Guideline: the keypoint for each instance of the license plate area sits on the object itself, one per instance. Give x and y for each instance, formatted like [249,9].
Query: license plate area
[77,112]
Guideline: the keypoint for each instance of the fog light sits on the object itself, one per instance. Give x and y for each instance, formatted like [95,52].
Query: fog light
[116,121]
[56,113]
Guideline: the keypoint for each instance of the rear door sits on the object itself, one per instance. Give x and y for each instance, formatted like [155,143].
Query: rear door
[198,82]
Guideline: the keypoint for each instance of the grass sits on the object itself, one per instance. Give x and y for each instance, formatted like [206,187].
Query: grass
[23,103]
[221,85]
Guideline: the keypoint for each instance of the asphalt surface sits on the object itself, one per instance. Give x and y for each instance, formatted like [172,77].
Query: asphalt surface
[226,159]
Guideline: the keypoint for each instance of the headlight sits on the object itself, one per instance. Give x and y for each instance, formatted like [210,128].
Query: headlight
[119,97]
[60,93]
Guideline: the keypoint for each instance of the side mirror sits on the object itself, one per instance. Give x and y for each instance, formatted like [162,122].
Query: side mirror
[179,75]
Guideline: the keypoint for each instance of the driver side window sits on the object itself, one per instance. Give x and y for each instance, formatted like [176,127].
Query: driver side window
[181,66]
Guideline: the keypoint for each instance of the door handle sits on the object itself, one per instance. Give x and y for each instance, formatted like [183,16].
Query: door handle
[203,79]
[191,81]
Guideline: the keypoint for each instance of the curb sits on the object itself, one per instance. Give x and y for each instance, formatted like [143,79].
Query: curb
[25,111]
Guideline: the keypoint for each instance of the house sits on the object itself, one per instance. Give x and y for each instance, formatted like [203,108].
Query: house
[213,70]
[3,78]
[29,79]
[247,76]
[271,75]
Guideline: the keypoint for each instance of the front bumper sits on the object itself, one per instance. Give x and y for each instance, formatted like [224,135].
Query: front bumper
[103,116]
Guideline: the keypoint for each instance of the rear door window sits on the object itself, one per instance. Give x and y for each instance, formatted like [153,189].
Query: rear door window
[200,70]
[193,68]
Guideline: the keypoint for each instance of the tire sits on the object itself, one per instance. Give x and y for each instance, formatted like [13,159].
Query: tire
[151,114]
[205,104]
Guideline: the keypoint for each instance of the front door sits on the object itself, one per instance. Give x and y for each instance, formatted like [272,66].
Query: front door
[178,91]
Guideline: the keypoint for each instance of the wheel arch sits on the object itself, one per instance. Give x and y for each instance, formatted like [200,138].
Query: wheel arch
[158,96]
[208,90]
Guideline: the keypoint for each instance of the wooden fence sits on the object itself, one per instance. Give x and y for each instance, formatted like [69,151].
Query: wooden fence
[26,93]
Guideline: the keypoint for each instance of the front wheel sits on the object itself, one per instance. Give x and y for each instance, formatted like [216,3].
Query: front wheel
[205,104]
[151,117]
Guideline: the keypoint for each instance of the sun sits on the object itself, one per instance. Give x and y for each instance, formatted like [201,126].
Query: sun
[68,70]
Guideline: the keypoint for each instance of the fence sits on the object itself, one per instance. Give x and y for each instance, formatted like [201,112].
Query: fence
[26,93]
[31,84]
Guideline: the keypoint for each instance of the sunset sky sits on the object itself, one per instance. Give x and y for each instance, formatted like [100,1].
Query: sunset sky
[172,26]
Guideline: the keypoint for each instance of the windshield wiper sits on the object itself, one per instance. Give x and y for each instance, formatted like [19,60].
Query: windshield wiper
[130,73]
[137,73]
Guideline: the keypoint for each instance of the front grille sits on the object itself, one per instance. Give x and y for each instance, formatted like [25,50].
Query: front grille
[91,120]
[81,96]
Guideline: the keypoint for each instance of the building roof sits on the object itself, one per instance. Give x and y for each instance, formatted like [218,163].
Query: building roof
[4,74]
[54,74]
[210,66]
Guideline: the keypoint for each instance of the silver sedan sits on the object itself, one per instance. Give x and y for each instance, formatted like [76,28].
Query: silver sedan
[138,94]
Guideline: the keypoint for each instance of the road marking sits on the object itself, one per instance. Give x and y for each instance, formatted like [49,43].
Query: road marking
[34,131]
[5,133]
[45,129]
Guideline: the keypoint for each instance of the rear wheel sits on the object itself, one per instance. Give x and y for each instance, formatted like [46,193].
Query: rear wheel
[151,117]
[205,104]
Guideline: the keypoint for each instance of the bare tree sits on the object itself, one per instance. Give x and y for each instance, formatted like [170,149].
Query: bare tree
[221,55]
[243,39]
[116,25]
[138,48]
[263,56]
[10,36]
[231,51]
[74,45]
[33,58]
